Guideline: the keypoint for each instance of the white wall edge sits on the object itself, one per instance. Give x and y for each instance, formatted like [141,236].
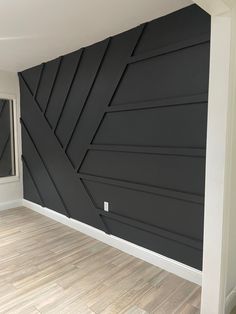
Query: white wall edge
[230,301]
[10,204]
[168,264]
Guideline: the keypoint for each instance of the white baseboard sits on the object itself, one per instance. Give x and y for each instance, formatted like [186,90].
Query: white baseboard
[149,256]
[230,301]
[10,204]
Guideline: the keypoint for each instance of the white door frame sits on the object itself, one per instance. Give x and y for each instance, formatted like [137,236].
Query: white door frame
[221,134]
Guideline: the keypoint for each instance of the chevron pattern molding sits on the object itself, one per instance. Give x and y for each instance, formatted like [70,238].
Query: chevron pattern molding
[124,122]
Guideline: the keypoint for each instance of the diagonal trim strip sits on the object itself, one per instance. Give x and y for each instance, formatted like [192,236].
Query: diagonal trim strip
[45,166]
[33,180]
[60,170]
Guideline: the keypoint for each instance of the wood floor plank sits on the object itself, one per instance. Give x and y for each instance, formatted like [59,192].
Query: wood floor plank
[49,268]
[189,309]
[135,310]
[179,297]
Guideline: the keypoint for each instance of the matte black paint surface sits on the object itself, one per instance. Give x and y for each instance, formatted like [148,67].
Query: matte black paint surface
[167,76]
[116,128]
[124,121]
[5,139]
[130,203]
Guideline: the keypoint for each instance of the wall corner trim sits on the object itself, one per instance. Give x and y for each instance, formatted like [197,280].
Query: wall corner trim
[230,301]
[168,264]
[10,204]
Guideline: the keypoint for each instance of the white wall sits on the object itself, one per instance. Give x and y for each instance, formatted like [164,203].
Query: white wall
[11,188]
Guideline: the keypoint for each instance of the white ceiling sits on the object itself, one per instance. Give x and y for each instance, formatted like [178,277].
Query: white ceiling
[33,31]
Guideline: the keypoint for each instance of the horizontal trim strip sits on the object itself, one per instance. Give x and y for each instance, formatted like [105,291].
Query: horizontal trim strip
[202,39]
[187,197]
[155,103]
[196,244]
[178,151]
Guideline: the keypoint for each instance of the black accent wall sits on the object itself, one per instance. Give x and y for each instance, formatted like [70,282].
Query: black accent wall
[124,121]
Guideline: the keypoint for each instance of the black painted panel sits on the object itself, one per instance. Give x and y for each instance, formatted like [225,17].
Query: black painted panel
[5,160]
[88,68]
[124,121]
[56,163]
[5,139]
[60,90]
[184,72]
[163,126]
[50,196]
[5,124]
[32,77]
[186,24]
[113,66]
[47,80]
[179,173]
[172,249]
[2,102]
[30,191]
[152,209]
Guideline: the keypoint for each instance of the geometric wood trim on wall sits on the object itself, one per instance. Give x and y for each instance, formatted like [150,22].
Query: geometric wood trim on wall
[124,121]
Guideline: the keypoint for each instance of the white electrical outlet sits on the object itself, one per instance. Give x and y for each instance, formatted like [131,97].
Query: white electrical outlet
[106,206]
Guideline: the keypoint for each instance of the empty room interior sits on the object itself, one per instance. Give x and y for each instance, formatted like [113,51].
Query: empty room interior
[118,157]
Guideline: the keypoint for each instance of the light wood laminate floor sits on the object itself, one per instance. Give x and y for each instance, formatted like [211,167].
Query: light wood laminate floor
[46,267]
